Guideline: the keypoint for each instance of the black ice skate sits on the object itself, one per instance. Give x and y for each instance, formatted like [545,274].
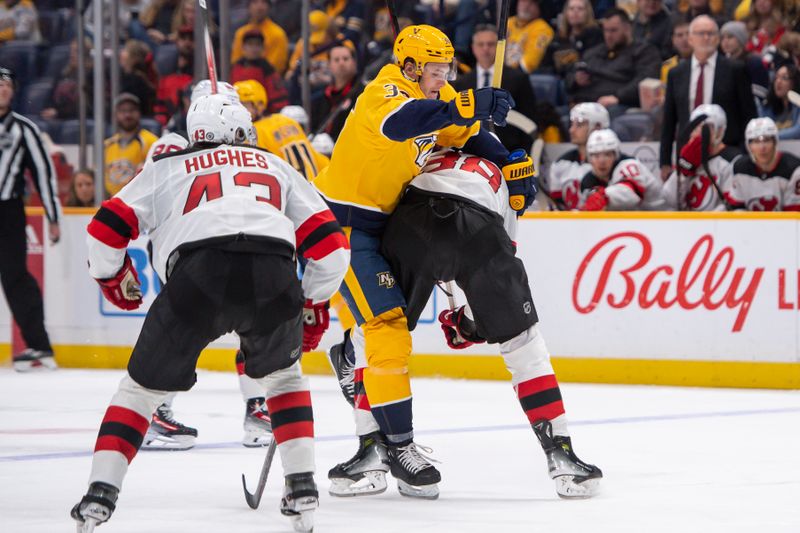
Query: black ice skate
[365,472]
[343,361]
[573,477]
[34,360]
[257,424]
[165,433]
[95,507]
[300,499]
[416,476]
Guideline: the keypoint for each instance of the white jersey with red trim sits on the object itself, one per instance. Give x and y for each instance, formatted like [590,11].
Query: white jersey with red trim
[564,178]
[168,143]
[756,189]
[699,193]
[210,193]
[469,177]
[631,187]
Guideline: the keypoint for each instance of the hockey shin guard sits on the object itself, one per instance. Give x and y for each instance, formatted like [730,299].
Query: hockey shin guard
[122,431]
[534,381]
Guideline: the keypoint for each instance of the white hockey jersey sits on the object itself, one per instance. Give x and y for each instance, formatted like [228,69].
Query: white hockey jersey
[699,193]
[631,187]
[208,193]
[471,178]
[170,142]
[755,189]
[564,178]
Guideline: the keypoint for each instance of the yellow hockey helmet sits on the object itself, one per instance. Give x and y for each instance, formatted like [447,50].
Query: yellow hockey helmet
[252,91]
[424,44]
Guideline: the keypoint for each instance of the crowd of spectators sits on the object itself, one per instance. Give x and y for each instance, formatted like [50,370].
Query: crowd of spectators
[640,59]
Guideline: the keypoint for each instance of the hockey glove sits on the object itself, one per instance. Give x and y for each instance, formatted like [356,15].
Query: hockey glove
[521,181]
[690,157]
[124,289]
[315,323]
[482,104]
[459,330]
[597,200]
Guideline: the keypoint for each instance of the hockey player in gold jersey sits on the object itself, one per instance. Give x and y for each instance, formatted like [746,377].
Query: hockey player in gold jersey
[402,114]
[278,133]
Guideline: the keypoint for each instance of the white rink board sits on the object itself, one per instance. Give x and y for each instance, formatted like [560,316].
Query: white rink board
[553,247]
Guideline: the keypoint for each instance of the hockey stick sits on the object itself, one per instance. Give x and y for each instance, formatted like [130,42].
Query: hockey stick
[393,17]
[255,498]
[212,65]
[500,53]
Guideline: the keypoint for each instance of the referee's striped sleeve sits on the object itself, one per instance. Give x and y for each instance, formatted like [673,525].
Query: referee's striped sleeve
[42,169]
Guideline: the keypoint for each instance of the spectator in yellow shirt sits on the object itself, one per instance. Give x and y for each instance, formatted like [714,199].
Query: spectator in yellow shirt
[126,150]
[276,43]
[528,37]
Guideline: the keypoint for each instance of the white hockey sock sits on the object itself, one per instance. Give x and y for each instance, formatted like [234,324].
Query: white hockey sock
[534,381]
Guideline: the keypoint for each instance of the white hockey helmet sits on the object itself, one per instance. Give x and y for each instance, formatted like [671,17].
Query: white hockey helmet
[593,113]
[322,143]
[715,116]
[203,88]
[296,113]
[604,140]
[761,128]
[215,118]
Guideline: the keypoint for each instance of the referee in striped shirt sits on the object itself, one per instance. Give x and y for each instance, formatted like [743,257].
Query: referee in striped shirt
[21,149]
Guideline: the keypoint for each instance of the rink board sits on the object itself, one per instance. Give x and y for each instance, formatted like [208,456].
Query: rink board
[654,298]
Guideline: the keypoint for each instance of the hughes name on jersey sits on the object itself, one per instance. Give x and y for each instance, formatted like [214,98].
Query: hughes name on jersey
[214,193]
[699,194]
[630,187]
[471,178]
[756,189]
[564,178]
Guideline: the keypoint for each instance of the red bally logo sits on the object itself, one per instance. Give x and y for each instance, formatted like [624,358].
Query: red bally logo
[705,279]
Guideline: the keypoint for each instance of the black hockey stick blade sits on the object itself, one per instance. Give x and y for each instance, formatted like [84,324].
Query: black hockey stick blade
[254,499]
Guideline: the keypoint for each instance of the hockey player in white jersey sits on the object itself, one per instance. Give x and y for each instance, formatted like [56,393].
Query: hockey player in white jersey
[617,182]
[227,221]
[565,174]
[166,433]
[702,177]
[454,223]
[768,180]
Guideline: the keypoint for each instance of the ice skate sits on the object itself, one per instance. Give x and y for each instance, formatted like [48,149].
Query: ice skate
[300,500]
[416,476]
[165,433]
[365,472]
[95,507]
[343,361]
[30,360]
[257,424]
[573,477]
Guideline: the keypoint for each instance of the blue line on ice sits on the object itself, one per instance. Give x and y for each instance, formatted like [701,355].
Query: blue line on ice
[483,429]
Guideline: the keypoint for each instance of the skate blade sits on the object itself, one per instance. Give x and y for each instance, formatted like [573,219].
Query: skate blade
[47,364]
[576,488]
[169,444]
[257,440]
[425,492]
[303,522]
[373,482]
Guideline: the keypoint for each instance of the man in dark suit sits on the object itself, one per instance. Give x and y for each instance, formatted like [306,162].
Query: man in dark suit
[484,45]
[706,78]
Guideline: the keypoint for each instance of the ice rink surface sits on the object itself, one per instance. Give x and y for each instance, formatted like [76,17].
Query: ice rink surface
[675,460]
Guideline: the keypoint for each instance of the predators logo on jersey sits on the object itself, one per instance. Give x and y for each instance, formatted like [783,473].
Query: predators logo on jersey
[369,170]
